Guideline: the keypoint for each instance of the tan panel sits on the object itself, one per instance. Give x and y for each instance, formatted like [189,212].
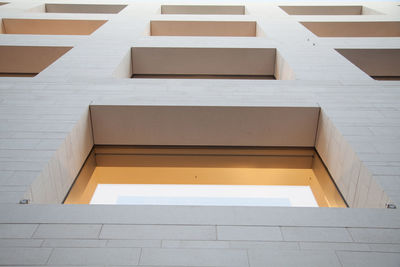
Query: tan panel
[203,28]
[322,10]
[374,62]
[182,125]
[203,76]
[354,29]
[202,9]
[82,8]
[203,166]
[76,195]
[131,156]
[28,59]
[214,61]
[51,26]
[329,189]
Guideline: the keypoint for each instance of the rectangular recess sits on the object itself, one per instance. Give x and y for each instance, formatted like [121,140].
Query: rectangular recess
[202,166]
[83,8]
[203,28]
[28,61]
[203,9]
[380,64]
[164,62]
[354,29]
[204,125]
[323,10]
[50,26]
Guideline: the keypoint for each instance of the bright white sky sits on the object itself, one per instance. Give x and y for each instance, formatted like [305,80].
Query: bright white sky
[208,195]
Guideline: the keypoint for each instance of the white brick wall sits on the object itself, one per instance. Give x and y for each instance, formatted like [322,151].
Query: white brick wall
[43,134]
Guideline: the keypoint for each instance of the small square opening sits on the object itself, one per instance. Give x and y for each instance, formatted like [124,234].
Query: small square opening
[380,64]
[328,10]
[79,8]
[203,9]
[204,63]
[50,26]
[354,29]
[203,28]
[28,61]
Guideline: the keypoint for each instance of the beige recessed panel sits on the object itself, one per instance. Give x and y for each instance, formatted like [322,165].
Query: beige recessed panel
[83,8]
[203,28]
[184,125]
[322,10]
[354,29]
[126,165]
[28,60]
[202,9]
[51,26]
[203,61]
[378,63]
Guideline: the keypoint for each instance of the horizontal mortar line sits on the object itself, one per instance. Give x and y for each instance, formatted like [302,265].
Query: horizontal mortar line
[196,155]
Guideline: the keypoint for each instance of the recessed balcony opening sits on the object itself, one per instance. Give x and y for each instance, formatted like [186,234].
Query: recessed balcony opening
[157,155]
[223,176]
[328,10]
[28,61]
[204,28]
[50,26]
[380,64]
[202,10]
[354,29]
[80,8]
[204,63]
[3,3]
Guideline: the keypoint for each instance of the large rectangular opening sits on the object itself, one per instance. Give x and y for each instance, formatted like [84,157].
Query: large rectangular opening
[205,176]
[203,28]
[239,152]
[354,29]
[203,9]
[28,61]
[327,10]
[380,64]
[50,26]
[205,63]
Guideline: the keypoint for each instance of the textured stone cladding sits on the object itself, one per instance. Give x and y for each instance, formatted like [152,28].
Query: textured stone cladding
[46,134]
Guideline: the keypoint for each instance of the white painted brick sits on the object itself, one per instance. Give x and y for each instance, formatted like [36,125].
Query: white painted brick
[72,243]
[17,230]
[134,243]
[368,259]
[20,242]
[193,257]
[334,246]
[326,234]
[94,256]
[295,258]
[194,244]
[266,245]
[68,231]
[257,233]
[158,232]
[24,256]
[385,247]
[375,235]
